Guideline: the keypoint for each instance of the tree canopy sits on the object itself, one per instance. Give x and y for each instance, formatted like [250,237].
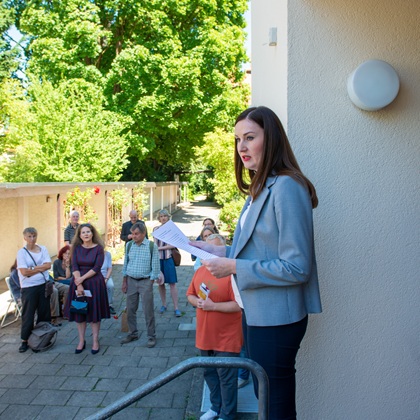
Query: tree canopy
[165,73]
[8,53]
[63,134]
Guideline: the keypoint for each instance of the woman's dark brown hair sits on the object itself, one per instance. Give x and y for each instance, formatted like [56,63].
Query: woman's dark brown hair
[277,159]
[213,223]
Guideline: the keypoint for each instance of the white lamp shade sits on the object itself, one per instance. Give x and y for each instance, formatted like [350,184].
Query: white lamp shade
[373,85]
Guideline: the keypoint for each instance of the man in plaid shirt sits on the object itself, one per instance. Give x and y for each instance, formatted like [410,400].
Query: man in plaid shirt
[141,268]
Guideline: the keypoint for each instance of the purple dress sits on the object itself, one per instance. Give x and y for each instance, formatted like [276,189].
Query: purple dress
[85,259]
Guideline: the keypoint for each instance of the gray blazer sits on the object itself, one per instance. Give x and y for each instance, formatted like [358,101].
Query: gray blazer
[276,269]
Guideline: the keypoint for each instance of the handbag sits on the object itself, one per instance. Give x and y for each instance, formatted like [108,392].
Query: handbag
[79,307]
[124,321]
[176,255]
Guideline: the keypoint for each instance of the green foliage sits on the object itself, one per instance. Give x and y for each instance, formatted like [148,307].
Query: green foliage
[117,199]
[64,39]
[12,105]
[171,69]
[218,152]
[8,54]
[198,180]
[64,135]
[139,199]
[79,200]
[229,215]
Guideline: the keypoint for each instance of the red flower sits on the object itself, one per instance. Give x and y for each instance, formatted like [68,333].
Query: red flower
[97,190]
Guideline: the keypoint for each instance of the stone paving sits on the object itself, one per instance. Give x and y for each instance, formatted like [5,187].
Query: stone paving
[61,384]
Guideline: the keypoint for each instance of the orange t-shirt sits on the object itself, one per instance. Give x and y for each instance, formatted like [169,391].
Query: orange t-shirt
[219,331]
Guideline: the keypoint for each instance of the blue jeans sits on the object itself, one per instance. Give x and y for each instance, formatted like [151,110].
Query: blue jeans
[110,291]
[243,373]
[223,386]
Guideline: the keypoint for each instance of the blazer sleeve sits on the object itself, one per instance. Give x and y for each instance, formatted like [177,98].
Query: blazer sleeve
[280,250]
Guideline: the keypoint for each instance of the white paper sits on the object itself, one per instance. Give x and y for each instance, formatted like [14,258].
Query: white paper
[172,235]
[87,293]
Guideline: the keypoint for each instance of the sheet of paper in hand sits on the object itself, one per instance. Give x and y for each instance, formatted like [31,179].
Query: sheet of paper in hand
[172,235]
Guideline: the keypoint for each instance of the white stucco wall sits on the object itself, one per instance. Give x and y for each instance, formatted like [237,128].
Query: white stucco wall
[8,212]
[361,357]
[267,61]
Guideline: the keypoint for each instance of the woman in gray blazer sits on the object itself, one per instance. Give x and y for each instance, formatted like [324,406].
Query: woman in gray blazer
[272,258]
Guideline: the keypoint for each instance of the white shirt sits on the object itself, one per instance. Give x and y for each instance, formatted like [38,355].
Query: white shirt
[25,261]
[234,286]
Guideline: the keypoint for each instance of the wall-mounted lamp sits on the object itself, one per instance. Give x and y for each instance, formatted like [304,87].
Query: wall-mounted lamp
[48,199]
[272,37]
[373,85]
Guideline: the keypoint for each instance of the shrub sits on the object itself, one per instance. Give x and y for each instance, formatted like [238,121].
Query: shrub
[229,215]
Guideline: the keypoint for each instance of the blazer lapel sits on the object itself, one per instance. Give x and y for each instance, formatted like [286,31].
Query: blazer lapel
[242,235]
[238,229]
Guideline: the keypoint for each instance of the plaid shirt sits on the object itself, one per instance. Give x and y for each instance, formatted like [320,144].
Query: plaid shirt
[137,261]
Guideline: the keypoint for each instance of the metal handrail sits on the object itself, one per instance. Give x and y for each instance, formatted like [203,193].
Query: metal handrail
[185,366]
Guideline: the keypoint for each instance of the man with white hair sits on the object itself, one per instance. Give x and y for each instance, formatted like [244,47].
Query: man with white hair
[126,235]
[70,230]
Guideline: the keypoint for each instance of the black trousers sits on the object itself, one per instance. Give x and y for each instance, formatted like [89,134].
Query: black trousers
[275,349]
[33,300]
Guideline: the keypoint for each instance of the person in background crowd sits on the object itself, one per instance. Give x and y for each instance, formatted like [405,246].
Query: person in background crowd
[62,266]
[14,282]
[167,266]
[141,269]
[219,334]
[33,263]
[272,258]
[207,223]
[87,258]
[62,277]
[106,272]
[126,234]
[205,233]
[70,230]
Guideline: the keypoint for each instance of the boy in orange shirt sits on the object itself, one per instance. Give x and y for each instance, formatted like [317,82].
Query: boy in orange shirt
[219,334]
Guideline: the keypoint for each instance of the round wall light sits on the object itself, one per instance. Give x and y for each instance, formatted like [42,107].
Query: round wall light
[373,85]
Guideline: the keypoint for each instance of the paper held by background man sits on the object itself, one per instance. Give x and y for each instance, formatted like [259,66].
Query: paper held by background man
[172,235]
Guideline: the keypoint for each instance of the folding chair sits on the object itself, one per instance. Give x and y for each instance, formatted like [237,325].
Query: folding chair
[12,301]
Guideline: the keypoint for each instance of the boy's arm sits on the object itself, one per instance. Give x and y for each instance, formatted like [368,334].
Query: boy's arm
[193,300]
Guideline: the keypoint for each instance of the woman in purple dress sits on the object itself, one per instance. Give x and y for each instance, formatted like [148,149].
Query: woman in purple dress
[87,259]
